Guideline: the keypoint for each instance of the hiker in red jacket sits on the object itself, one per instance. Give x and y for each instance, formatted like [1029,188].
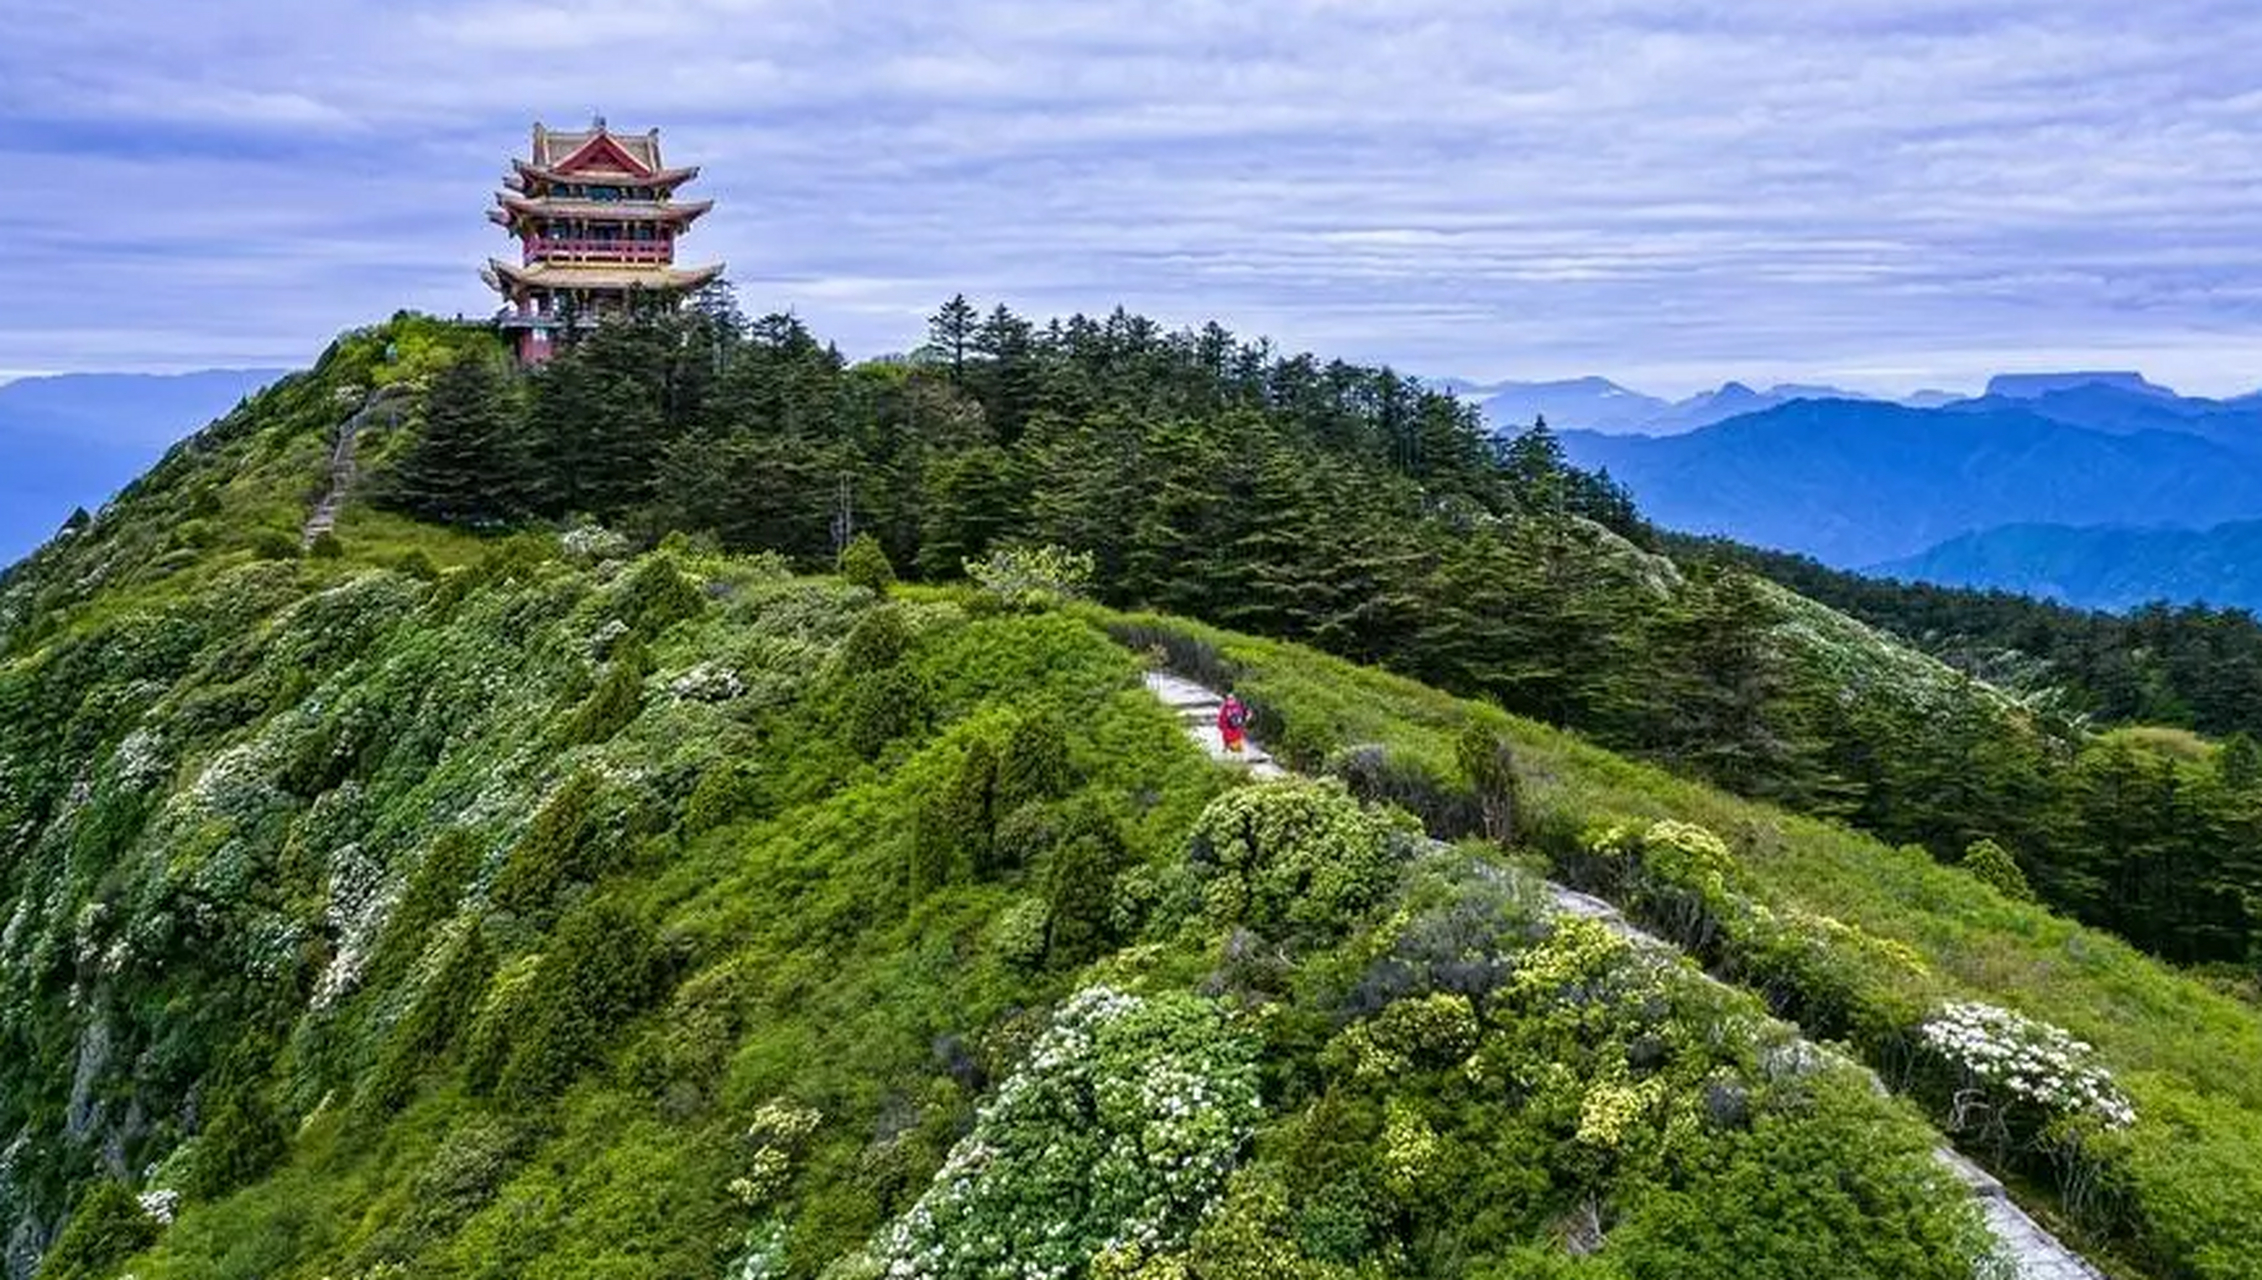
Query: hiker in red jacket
[1233,723]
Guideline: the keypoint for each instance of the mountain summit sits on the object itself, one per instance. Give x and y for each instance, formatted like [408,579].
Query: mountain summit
[2026,386]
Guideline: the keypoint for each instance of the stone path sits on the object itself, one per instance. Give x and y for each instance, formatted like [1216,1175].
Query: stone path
[388,402]
[2033,1253]
[1197,708]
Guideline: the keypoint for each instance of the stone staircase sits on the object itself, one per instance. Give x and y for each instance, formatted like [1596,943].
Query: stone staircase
[2031,1252]
[384,402]
[1197,709]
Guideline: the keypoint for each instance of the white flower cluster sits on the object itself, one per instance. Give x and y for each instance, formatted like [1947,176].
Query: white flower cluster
[139,759]
[1112,1137]
[161,1203]
[2033,1061]
[593,542]
[354,915]
[710,681]
[235,782]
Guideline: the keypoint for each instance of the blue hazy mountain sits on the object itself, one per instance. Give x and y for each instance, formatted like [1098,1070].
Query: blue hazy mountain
[2122,408]
[1598,404]
[2028,386]
[75,439]
[1853,483]
[2099,567]
[1582,404]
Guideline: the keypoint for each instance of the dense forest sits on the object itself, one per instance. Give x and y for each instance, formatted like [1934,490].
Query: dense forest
[2191,666]
[1357,510]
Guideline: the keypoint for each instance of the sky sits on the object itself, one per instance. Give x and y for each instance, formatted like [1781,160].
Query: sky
[1887,195]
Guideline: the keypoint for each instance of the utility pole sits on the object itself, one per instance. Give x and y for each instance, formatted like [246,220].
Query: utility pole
[844,515]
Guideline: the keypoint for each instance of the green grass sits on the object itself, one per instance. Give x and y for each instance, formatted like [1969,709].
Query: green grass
[2184,1049]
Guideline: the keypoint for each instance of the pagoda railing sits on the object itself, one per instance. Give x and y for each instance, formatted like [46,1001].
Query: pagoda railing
[600,250]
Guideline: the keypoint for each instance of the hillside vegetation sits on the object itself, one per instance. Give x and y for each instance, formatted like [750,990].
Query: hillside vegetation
[453,902]
[2190,666]
[1346,507]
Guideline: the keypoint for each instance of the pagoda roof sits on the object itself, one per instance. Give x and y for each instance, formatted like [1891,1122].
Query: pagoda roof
[549,275]
[524,172]
[596,147]
[621,210]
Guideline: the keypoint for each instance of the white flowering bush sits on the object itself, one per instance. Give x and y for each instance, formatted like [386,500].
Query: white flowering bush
[1112,1138]
[779,1131]
[162,1203]
[2004,1061]
[593,542]
[707,682]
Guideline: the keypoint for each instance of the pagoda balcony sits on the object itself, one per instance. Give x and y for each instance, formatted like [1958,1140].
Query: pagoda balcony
[561,250]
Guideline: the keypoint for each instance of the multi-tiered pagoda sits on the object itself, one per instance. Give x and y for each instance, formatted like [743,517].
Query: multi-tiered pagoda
[596,219]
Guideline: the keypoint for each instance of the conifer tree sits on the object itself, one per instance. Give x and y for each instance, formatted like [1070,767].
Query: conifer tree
[468,465]
[950,335]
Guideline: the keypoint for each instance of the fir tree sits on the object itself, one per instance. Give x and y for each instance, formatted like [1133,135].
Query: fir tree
[950,335]
[468,464]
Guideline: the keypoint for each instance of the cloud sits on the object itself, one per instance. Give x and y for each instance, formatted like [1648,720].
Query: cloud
[1672,193]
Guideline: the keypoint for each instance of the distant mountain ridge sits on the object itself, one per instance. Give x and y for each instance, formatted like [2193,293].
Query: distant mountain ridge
[2026,386]
[2099,567]
[2109,399]
[1598,404]
[1855,483]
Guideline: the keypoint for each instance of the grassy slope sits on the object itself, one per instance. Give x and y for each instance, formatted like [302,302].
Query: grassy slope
[2185,1050]
[796,964]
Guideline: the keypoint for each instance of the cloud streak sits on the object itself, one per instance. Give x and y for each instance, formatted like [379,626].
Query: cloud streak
[1891,194]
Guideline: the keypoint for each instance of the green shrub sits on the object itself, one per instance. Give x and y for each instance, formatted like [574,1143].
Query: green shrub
[498,1023]
[957,824]
[1106,1148]
[655,596]
[1488,763]
[1020,933]
[272,544]
[242,1139]
[415,563]
[557,848]
[879,640]
[864,563]
[431,1024]
[1026,835]
[724,791]
[1034,765]
[597,971]
[617,699]
[880,707]
[1296,856]
[108,1226]
[1079,884]
[1994,864]
[326,547]
[1672,875]
[1030,578]
[433,893]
